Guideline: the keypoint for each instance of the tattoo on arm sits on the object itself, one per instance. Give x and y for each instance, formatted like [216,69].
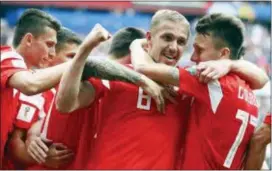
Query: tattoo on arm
[174,72]
[109,70]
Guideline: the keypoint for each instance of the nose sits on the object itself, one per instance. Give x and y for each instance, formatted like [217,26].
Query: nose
[194,57]
[173,47]
[52,53]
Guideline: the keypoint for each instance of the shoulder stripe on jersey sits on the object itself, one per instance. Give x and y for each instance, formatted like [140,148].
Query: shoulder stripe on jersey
[36,100]
[215,93]
[18,64]
[46,122]
[10,54]
[15,91]
[106,83]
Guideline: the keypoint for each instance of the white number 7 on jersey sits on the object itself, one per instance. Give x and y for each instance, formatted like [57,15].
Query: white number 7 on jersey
[244,117]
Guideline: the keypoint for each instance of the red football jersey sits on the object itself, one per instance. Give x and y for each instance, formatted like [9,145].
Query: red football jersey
[29,109]
[267,119]
[132,134]
[11,62]
[222,120]
[75,130]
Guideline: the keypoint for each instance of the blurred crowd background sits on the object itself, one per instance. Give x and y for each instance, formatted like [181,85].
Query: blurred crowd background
[82,16]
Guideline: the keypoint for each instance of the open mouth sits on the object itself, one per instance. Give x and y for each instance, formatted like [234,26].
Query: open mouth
[170,57]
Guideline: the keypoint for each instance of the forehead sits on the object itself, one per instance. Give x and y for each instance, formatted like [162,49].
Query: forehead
[203,40]
[179,29]
[48,35]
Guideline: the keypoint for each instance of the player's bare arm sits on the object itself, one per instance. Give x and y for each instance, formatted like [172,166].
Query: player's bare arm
[32,83]
[18,150]
[69,95]
[53,156]
[257,148]
[254,75]
[160,72]
[138,55]
[98,68]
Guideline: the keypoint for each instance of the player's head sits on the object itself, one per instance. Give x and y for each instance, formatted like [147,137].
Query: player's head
[35,36]
[67,46]
[122,39]
[167,39]
[218,36]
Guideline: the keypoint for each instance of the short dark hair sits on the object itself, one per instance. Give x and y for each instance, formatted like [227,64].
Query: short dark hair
[122,40]
[66,35]
[33,21]
[229,30]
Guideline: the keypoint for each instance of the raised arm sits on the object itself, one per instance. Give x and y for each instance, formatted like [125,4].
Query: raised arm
[71,89]
[33,83]
[71,96]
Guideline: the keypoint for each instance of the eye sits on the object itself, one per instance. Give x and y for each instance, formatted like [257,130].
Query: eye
[50,44]
[181,42]
[71,55]
[168,37]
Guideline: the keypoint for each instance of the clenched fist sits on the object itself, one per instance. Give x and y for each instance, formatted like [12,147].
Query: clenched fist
[97,35]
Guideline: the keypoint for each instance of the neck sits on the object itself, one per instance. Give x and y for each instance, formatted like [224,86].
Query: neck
[147,49]
[23,53]
[122,60]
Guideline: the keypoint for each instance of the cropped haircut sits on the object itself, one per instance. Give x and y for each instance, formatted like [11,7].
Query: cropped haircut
[33,21]
[65,35]
[228,31]
[168,15]
[122,39]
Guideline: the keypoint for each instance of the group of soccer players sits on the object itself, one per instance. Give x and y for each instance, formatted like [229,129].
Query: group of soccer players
[64,109]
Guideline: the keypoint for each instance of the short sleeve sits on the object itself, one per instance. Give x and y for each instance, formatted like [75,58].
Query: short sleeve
[101,87]
[267,119]
[11,62]
[26,116]
[29,110]
[189,84]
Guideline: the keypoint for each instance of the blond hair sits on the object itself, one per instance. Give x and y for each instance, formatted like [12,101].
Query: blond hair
[168,15]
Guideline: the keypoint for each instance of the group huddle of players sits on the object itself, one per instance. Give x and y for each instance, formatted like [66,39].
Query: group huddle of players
[64,109]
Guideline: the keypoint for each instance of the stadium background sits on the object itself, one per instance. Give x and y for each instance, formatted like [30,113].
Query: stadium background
[81,17]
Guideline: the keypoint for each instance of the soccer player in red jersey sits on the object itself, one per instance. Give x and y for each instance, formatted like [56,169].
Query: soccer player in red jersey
[33,108]
[131,134]
[261,138]
[80,126]
[34,44]
[224,112]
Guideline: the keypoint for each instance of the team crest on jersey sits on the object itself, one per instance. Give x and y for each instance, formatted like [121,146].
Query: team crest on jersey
[26,113]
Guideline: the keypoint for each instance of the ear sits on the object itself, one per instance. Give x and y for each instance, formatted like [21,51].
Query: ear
[148,38]
[225,53]
[28,39]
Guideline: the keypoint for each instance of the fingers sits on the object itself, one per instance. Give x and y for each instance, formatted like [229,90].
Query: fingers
[63,152]
[36,154]
[59,146]
[42,145]
[68,156]
[167,95]
[204,73]
[210,76]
